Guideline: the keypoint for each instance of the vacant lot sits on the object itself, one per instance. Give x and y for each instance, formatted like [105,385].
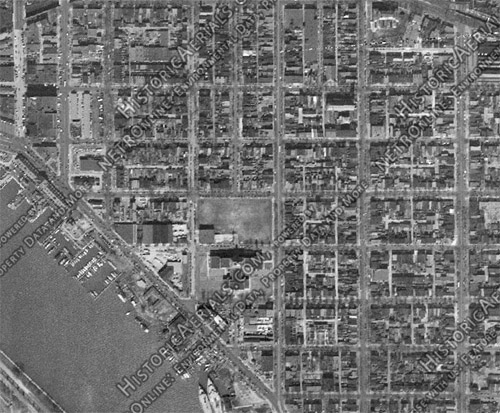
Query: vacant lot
[250,218]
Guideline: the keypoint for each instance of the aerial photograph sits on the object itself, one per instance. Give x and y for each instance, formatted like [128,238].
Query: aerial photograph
[249,206]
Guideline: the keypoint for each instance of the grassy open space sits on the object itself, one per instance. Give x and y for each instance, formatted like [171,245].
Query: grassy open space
[250,218]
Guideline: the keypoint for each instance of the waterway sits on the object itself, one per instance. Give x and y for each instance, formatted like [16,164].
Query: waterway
[72,346]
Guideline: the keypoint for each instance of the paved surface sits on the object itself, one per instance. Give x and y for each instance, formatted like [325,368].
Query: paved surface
[462,216]
[278,216]
[364,216]
[19,66]
[64,137]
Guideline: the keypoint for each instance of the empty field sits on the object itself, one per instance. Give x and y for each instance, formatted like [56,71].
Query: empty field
[249,218]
